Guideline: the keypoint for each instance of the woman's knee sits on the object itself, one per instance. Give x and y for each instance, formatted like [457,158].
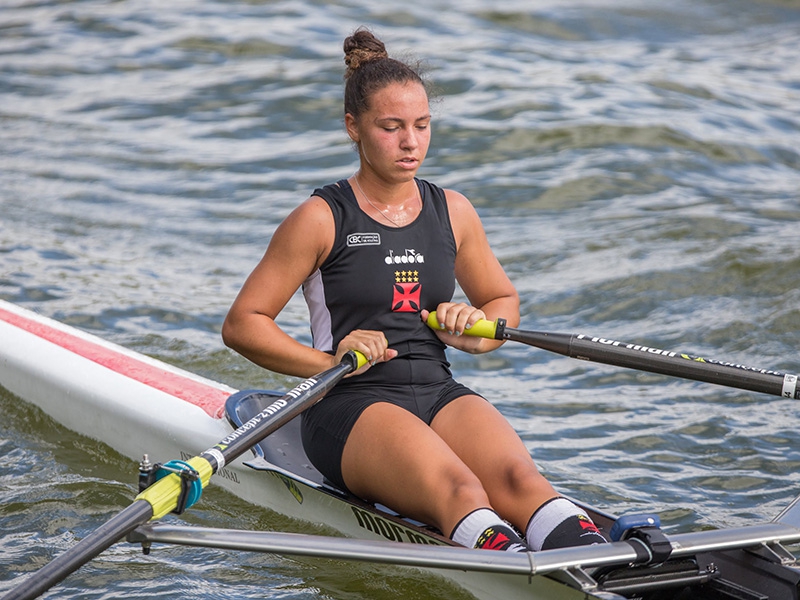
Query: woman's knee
[458,493]
[518,477]
[463,486]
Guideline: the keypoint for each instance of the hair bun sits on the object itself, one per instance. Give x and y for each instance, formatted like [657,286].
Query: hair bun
[360,48]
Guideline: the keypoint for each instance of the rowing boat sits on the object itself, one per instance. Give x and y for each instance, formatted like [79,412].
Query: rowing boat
[104,391]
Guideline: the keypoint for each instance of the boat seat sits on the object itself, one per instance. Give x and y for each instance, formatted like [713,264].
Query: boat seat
[282,448]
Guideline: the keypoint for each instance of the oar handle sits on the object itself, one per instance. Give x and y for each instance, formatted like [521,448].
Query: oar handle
[492,330]
[361,360]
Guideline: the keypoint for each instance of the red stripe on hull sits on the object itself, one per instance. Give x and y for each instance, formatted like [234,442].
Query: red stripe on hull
[209,398]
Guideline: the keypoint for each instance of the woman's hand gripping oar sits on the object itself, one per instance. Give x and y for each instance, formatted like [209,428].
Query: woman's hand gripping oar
[641,357]
[172,491]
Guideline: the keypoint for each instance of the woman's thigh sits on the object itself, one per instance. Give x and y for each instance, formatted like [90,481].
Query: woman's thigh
[487,444]
[393,457]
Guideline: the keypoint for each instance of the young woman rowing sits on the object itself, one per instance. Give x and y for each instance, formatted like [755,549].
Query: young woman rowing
[374,254]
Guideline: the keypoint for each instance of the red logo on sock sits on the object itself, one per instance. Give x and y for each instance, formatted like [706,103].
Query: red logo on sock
[496,542]
[587,525]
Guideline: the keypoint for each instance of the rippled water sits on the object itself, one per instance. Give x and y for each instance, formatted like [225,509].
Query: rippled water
[637,170]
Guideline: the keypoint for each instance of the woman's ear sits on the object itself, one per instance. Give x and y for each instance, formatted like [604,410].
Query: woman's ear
[352,127]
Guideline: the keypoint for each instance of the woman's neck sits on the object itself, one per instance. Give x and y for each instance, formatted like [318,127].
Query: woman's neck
[396,205]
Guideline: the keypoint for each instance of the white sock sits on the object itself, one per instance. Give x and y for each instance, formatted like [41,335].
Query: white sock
[473,525]
[483,528]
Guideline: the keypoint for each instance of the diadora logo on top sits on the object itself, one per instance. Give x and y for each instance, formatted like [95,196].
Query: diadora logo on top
[364,239]
[410,256]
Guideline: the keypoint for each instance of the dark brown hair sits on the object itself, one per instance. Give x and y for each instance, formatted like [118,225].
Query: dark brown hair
[370,69]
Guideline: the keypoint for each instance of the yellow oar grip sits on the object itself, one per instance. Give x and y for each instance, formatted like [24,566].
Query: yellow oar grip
[361,360]
[483,328]
[163,494]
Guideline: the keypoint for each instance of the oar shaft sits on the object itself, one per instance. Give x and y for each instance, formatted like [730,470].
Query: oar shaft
[641,357]
[85,550]
[164,494]
[280,412]
[655,360]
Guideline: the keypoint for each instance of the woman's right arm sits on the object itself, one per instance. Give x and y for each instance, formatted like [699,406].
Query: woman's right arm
[299,246]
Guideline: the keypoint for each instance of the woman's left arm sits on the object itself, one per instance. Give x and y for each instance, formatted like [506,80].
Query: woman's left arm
[480,275]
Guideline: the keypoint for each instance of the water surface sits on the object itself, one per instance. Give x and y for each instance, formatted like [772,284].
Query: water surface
[635,165]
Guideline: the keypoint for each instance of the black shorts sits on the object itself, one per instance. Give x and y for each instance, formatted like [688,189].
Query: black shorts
[326,425]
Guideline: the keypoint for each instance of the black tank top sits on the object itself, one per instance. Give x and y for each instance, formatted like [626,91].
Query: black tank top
[379,277]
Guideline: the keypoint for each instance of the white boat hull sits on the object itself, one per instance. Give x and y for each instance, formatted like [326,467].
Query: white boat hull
[138,405]
[118,397]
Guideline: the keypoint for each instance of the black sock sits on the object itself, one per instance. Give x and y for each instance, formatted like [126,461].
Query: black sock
[559,523]
[576,530]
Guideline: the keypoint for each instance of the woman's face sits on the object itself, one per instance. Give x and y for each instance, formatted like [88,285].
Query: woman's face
[394,134]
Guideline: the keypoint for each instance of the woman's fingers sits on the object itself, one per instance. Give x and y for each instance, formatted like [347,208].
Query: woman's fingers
[372,344]
[455,318]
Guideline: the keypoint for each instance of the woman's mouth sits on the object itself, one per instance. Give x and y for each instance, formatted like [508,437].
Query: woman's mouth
[408,162]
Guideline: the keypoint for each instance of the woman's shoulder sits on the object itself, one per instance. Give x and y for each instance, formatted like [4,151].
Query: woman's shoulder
[311,218]
[459,205]
[321,205]
[464,219]
[334,192]
[452,199]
